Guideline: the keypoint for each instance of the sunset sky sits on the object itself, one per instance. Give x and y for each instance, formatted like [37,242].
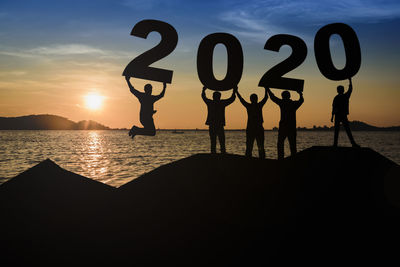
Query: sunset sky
[66,58]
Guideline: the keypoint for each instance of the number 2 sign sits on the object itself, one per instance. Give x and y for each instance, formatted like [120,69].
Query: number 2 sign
[139,67]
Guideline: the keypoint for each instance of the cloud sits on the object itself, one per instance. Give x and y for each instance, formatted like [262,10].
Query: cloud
[244,23]
[60,50]
[149,4]
[67,49]
[366,11]
[139,4]
[256,18]
[15,53]
[12,73]
[53,50]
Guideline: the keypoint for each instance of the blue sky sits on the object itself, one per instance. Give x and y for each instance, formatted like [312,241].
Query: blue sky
[39,39]
[103,24]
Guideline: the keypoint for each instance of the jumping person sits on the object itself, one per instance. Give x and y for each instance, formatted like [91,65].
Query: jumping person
[254,129]
[146,109]
[340,110]
[287,124]
[216,117]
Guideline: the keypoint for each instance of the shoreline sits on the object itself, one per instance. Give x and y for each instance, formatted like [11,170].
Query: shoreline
[206,130]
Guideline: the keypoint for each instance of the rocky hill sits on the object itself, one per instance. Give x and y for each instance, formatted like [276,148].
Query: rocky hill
[322,206]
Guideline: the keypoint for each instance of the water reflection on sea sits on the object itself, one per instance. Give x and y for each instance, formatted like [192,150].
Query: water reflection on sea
[112,157]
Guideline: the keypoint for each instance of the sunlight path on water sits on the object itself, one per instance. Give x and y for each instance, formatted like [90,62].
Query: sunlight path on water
[112,157]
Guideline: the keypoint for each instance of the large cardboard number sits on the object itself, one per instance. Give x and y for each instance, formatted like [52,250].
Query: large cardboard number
[273,77]
[205,61]
[351,48]
[139,67]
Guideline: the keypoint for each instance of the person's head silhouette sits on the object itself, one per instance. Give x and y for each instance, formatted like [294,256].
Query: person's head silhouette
[253,98]
[148,89]
[217,96]
[340,89]
[285,95]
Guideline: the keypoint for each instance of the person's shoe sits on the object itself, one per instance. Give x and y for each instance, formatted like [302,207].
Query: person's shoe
[355,145]
[132,132]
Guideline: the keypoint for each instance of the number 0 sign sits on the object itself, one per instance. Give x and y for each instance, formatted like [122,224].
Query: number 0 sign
[351,48]
[205,61]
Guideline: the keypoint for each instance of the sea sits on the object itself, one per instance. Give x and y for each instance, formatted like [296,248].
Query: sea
[112,157]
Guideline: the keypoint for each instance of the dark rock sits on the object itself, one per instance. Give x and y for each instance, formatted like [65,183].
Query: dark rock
[322,206]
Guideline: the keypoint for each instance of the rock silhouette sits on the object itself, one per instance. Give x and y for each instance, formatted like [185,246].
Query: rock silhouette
[208,209]
[47,122]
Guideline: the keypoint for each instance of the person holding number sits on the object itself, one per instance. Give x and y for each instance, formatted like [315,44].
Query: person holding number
[287,124]
[216,117]
[254,129]
[146,100]
[340,110]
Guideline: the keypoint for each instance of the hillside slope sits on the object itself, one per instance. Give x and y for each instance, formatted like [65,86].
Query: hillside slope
[322,206]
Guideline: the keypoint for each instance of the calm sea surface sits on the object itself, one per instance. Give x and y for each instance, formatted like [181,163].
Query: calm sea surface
[113,158]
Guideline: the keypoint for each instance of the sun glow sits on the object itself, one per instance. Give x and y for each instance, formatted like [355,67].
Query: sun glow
[93,101]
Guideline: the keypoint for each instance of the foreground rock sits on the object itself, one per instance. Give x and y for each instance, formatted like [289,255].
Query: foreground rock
[324,205]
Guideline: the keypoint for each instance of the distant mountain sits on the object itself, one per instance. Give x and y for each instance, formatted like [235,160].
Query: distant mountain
[47,122]
[354,126]
[362,126]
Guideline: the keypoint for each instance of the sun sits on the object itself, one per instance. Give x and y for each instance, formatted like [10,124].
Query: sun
[93,101]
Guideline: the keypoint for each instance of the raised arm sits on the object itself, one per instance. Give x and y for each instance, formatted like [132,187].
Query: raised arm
[161,95]
[348,93]
[272,96]
[133,90]
[244,103]
[264,100]
[203,95]
[301,99]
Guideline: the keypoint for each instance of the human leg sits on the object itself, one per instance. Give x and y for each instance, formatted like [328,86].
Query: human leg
[221,138]
[133,131]
[249,142]
[292,141]
[148,129]
[346,126]
[281,139]
[144,131]
[337,129]
[213,138]
[260,143]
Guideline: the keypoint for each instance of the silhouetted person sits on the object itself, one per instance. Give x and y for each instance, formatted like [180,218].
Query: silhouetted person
[254,129]
[146,109]
[216,117]
[287,124]
[340,110]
